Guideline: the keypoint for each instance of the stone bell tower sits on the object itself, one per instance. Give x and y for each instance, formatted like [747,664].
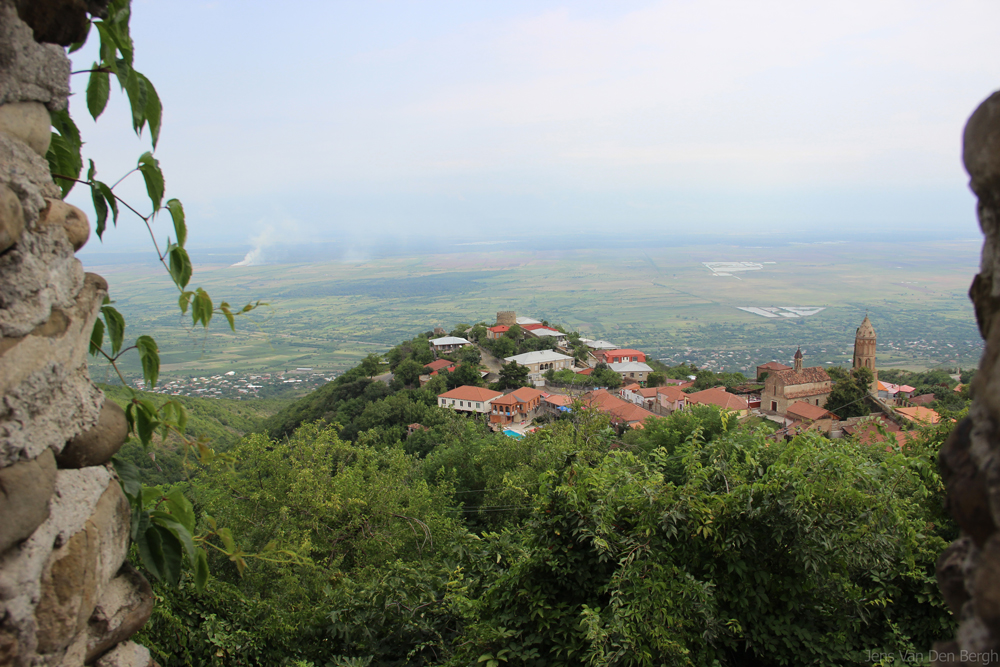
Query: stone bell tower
[864,349]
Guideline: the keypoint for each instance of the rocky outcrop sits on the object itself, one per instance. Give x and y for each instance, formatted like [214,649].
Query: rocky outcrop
[969,570]
[67,594]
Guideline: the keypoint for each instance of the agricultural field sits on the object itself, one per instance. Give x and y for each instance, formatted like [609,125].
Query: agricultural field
[722,307]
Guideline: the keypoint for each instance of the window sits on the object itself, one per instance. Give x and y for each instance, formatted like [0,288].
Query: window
[479,405]
[774,406]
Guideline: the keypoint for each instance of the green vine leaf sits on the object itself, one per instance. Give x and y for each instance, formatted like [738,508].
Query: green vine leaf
[150,169]
[116,327]
[135,89]
[201,570]
[145,423]
[149,355]
[97,337]
[129,477]
[109,46]
[177,215]
[184,301]
[105,193]
[152,111]
[64,150]
[224,307]
[201,307]
[180,265]
[100,207]
[98,89]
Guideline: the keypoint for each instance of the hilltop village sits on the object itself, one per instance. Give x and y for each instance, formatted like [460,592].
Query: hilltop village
[517,392]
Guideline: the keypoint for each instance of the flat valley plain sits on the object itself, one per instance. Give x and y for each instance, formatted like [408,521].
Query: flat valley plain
[660,299]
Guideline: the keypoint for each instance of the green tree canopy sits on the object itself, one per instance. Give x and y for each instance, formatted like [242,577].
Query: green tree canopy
[847,398]
[512,376]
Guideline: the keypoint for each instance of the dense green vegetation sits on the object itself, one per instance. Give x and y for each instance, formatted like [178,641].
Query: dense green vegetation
[693,541]
[220,421]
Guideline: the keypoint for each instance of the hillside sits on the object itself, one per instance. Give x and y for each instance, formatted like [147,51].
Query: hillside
[694,540]
[221,422]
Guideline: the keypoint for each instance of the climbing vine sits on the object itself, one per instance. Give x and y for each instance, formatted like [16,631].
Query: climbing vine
[163,522]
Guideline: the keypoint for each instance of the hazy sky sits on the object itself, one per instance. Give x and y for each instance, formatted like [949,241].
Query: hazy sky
[326,121]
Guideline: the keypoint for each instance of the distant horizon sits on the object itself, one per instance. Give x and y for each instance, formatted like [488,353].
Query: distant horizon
[355,251]
[370,121]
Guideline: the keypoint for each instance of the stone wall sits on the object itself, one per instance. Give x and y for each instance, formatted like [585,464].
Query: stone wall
[969,570]
[67,594]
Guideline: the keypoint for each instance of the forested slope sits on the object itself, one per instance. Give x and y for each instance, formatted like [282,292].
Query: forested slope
[692,541]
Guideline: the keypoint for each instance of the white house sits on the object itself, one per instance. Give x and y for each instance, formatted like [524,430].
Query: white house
[634,371]
[469,399]
[448,344]
[541,361]
[598,344]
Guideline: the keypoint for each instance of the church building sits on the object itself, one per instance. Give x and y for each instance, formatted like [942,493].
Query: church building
[864,350]
[784,387]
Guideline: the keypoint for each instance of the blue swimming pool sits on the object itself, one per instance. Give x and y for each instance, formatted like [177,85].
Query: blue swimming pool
[513,434]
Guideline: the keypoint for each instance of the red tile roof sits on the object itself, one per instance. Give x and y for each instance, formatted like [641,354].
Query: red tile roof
[805,376]
[522,395]
[558,399]
[439,364]
[500,328]
[805,393]
[867,432]
[624,352]
[920,414]
[922,399]
[774,366]
[804,410]
[672,393]
[585,371]
[720,398]
[468,393]
[629,413]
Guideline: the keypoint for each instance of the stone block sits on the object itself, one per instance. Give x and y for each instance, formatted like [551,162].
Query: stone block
[98,444]
[8,647]
[11,218]
[968,500]
[48,393]
[124,607]
[36,275]
[77,495]
[29,71]
[981,149]
[112,519]
[127,654]
[951,574]
[79,572]
[69,218]
[68,591]
[63,338]
[25,490]
[55,21]
[29,122]
[27,174]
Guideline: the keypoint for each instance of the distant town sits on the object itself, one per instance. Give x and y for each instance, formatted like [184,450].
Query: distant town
[242,385]
[623,385]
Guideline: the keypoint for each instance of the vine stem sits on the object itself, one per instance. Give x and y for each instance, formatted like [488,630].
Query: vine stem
[102,70]
[145,218]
